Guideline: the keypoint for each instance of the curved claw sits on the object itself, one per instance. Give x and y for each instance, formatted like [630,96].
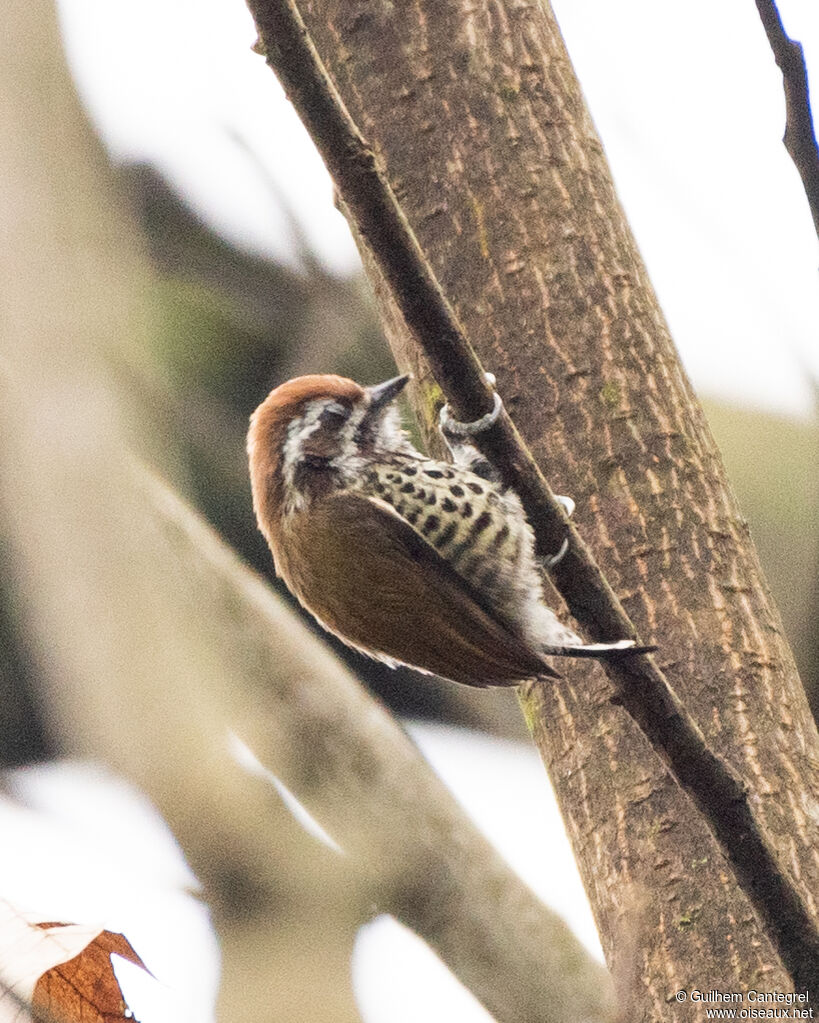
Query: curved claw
[456,428]
[555,559]
[569,507]
[568,504]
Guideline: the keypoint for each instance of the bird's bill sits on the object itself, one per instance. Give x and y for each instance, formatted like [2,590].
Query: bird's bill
[382,394]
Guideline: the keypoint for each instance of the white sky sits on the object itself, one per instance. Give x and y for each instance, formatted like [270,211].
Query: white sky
[685,95]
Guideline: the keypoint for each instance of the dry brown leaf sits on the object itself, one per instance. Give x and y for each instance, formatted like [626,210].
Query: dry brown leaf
[63,971]
[85,988]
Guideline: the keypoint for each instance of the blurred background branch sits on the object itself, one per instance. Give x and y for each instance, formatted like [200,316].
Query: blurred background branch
[800,137]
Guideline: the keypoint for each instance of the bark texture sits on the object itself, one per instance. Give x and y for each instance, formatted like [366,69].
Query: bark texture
[481,125]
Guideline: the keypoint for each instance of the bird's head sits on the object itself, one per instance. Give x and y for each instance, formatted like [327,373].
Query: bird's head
[312,434]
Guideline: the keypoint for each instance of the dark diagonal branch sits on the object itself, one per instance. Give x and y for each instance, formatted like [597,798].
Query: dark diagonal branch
[641,687]
[800,137]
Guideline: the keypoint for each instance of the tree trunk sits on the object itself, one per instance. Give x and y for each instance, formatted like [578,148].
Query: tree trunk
[481,125]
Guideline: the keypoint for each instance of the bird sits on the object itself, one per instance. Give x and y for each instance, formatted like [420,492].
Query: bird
[410,560]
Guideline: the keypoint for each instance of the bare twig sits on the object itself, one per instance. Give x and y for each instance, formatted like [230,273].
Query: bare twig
[641,687]
[800,137]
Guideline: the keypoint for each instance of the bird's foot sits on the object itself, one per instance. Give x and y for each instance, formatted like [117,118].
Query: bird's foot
[551,560]
[452,427]
[568,504]
[456,433]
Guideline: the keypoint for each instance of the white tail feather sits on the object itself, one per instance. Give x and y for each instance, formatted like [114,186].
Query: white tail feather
[626,647]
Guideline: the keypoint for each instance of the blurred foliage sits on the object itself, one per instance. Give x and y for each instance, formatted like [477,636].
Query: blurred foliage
[23,735]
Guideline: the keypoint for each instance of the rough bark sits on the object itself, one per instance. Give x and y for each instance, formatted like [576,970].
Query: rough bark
[487,142]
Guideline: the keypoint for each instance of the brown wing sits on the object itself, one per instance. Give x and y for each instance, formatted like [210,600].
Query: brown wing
[370,578]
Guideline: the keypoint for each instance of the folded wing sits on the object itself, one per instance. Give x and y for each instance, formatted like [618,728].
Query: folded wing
[396,598]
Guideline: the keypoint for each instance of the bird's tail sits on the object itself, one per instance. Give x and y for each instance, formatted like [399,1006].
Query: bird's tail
[604,651]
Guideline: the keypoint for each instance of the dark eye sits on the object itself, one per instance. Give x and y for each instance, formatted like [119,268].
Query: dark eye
[334,415]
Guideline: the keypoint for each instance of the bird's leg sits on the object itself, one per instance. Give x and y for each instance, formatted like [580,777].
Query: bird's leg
[457,436]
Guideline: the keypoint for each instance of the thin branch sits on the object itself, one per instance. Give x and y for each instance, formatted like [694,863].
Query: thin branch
[641,688]
[800,137]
